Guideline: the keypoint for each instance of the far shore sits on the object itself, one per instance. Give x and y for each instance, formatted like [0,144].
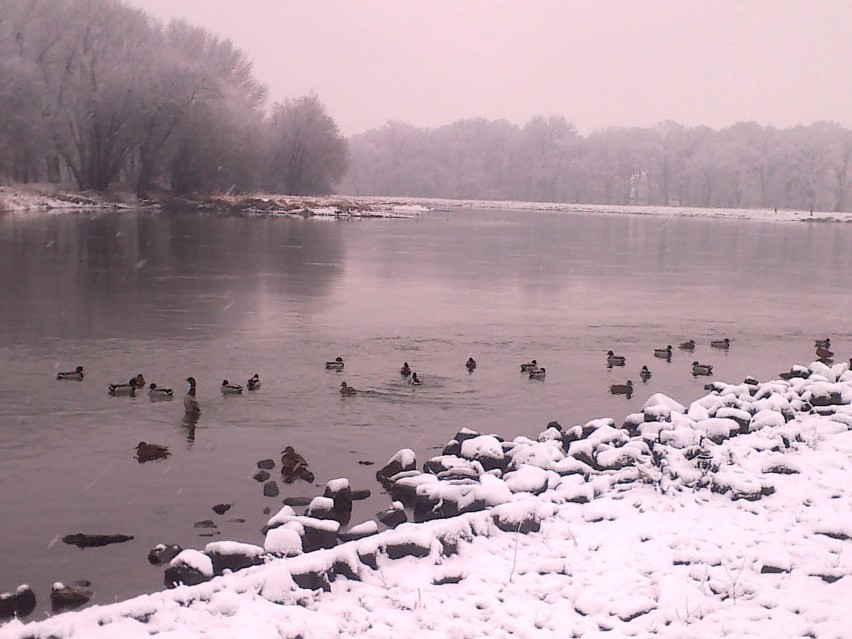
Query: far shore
[29,198]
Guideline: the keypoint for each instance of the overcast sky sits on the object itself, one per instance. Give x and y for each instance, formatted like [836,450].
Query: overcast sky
[596,62]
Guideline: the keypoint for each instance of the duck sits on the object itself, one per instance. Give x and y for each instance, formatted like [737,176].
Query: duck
[701,369]
[414,380]
[622,389]
[822,343]
[538,373]
[615,360]
[231,389]
[76,375]
[824,353]
[190,402]
[158,392]
[721,343]
[663,353]
[294,466]
[336,365]
[138,381]
[405,371]
[146,452]
[532,365]
[645,374]
[123,390]
[346,391]
[254,382]
[688,345]
[470,364]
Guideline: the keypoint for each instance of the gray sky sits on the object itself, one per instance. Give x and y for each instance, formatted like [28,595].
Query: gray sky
[597,62]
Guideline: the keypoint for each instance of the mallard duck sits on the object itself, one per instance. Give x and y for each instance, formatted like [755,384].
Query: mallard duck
[123,390]
[190,403]
[663,353]
[146,452]
[538,373]
[532,365]
[254,382]
[701,369]
[824,353]
[346,391]
[76,375]
[138,382]
[470,364]
[405,371]
[645,374]
[294,466]
[336,365]
[721,343]
[159,392]
[615,360]
[231,389]
[822,343]
[687,346]
[622,389]
[415,380]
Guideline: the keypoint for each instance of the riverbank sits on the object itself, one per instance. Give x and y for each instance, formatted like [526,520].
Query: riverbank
[727,517]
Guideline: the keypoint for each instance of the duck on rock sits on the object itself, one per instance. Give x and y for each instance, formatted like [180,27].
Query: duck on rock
[254,382]
[336,365]
[76,375]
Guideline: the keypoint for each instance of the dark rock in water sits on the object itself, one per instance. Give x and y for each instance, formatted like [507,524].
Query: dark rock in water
[261,476]
[360,494]
[17,604]
[403,461]
[183,574]
[266,510]
[205,523]
[221,509]
[233,557]
[162,554]
[321,508]
[453,447]
[340,492]
[266,464]
[297,501]
[392,517]
[318,533]
[64,598]
[82,540]
[364,462]
[270,489]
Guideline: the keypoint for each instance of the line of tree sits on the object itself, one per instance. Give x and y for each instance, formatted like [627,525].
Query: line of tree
[97,92]
[746,165]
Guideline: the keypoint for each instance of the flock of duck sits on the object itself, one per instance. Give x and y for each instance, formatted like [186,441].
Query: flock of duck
[531,368]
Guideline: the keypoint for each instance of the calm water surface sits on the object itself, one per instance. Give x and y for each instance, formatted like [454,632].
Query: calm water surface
[173,295]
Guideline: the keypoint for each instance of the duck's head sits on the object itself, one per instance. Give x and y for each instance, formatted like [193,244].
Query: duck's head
[610,353]
[191,381]
[338,359]
[224,382]
[79,369]
[534,363]
[152,386]
[696,364]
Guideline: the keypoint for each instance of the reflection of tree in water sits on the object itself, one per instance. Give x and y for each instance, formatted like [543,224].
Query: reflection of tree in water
[141,274]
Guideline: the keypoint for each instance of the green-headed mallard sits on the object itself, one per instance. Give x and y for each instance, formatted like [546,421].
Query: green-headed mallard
[615,360]
[76,375]
[123,390]
[538,373]
[415,381]
[645,374]
[336,365]
[663,353]
[231,389]
[159,392]
[701,369]
[622,389]
[721,343]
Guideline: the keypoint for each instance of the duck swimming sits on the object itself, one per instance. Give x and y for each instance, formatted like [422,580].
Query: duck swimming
[146,452]
[336,365]
[532,365]
[138,382]
[190,402]
[470,364]
[663,353]
[622,389]
[123,390]
[822,343]
[346,391]
[158,392]
[538,373]
[645,374]
[75,375]
[231,389]
[405,371]
[414,380]
[687,346]
[721,343]
[615,360]
[701,369]
[254,382]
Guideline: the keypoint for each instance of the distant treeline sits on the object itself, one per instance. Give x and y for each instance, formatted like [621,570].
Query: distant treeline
[95,92]
[746,165]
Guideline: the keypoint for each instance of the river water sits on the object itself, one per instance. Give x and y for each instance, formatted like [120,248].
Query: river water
[171,295]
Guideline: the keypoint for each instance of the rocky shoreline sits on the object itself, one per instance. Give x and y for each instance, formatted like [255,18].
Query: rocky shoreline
[741,443]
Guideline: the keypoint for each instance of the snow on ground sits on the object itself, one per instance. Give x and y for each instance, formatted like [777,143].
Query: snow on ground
[702,522]
[28,198]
